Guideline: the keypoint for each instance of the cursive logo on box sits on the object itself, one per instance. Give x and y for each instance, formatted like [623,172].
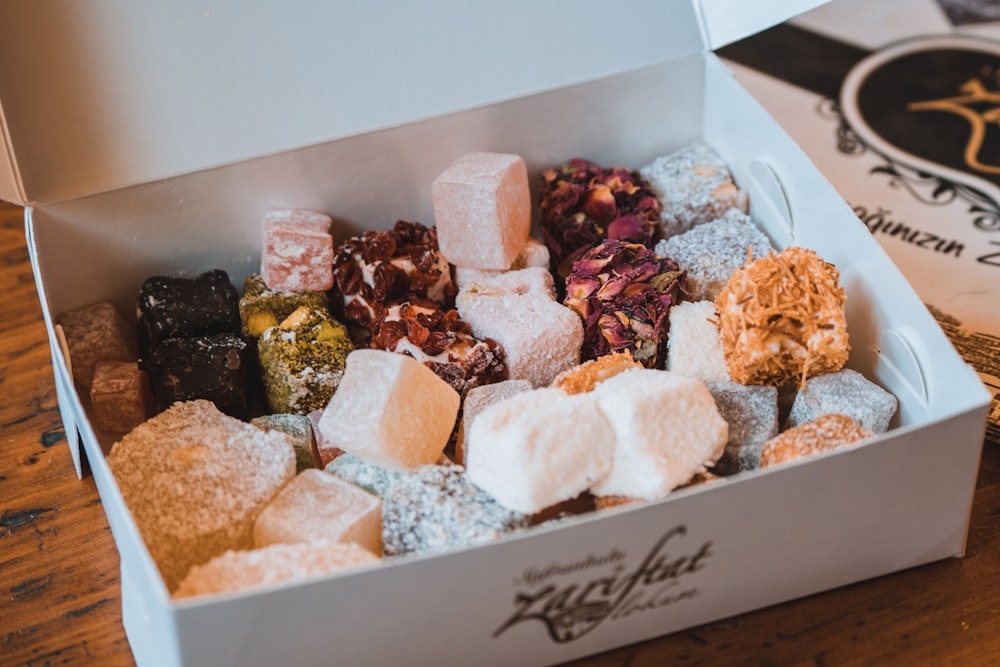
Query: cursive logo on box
[568,611]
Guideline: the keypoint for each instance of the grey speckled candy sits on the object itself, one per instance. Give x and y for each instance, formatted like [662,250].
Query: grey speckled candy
[752,414]
[435,508]
[845,392]
[370,477]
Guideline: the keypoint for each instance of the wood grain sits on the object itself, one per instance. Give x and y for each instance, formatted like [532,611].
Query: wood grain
[59,582]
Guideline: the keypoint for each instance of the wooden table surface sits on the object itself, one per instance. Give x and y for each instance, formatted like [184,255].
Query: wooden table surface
[59,581]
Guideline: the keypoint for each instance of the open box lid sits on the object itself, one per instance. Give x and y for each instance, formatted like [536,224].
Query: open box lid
[99,95]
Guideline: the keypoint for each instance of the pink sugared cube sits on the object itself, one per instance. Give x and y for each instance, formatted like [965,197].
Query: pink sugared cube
[482,208]
[298,251]
[390,410]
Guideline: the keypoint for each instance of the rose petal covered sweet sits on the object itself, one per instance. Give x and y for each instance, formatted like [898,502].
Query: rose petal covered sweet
[582,204]
[624,292]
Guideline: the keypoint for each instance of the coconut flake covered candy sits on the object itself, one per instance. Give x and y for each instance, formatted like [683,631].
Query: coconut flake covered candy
[782,319]
[391,410]
[298,251]
[318,506]
[539,448]
[442,342]
[533,254]
[846,392]
[624,292]
[694,348]
[540,337]
[582,204]
[195,480]
[752,414]
[370,477]
[709,253]
[482,209]
[437,508]
[665,429]
[275,564]
[814,437]
[378,269]
[694,186]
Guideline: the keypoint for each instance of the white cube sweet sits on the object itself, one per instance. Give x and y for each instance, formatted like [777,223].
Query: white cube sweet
[694,347]
[391,410]
[539,448]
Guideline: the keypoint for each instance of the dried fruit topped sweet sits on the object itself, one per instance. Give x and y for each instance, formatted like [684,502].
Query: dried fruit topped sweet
[582,204]
[624,292]
[381,268]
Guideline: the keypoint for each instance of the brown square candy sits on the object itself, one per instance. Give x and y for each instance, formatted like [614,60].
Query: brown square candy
[174,307]
[121,396]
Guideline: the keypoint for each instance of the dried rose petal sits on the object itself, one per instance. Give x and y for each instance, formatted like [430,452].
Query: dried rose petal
[582,204]
[624,292]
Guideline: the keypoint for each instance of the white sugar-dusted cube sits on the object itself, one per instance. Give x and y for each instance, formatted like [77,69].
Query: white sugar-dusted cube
[666,429]
[532,280]
[539,448]
[541,338]
[391,410]
[752,414]
[482,208]
[478,399]
[694,347]
[316,505]
[845,392]
[694,186]
[710,253]
[534,254]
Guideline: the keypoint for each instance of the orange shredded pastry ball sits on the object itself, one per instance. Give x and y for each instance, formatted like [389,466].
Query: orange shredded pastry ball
[781,318]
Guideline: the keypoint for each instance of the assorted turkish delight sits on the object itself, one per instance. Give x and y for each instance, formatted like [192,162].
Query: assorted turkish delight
[655,341]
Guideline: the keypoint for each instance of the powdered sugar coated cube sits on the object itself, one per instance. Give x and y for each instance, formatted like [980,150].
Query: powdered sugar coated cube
[391,410]
[694,348]
[534,254]
[541,338]
[482,208]
[298,251]
[666,428]
[539,448]
[478,399]
[318,506]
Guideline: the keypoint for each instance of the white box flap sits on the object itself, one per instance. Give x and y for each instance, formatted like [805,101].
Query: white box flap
[727,21]
[108,93]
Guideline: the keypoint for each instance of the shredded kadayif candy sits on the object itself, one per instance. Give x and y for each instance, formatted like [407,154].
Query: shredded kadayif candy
[782,318]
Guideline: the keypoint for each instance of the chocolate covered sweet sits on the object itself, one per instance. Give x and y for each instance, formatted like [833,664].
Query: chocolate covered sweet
[176,307]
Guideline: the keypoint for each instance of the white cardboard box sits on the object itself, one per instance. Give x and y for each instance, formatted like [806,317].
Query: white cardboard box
[100,222]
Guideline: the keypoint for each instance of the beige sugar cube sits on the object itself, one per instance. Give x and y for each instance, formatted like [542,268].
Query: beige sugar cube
[94,333]
[482,209]
[539,448]
[195,480]
[666,429]
[391,410]
[270,566]
[316,505]
[120,396]
[694,347]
